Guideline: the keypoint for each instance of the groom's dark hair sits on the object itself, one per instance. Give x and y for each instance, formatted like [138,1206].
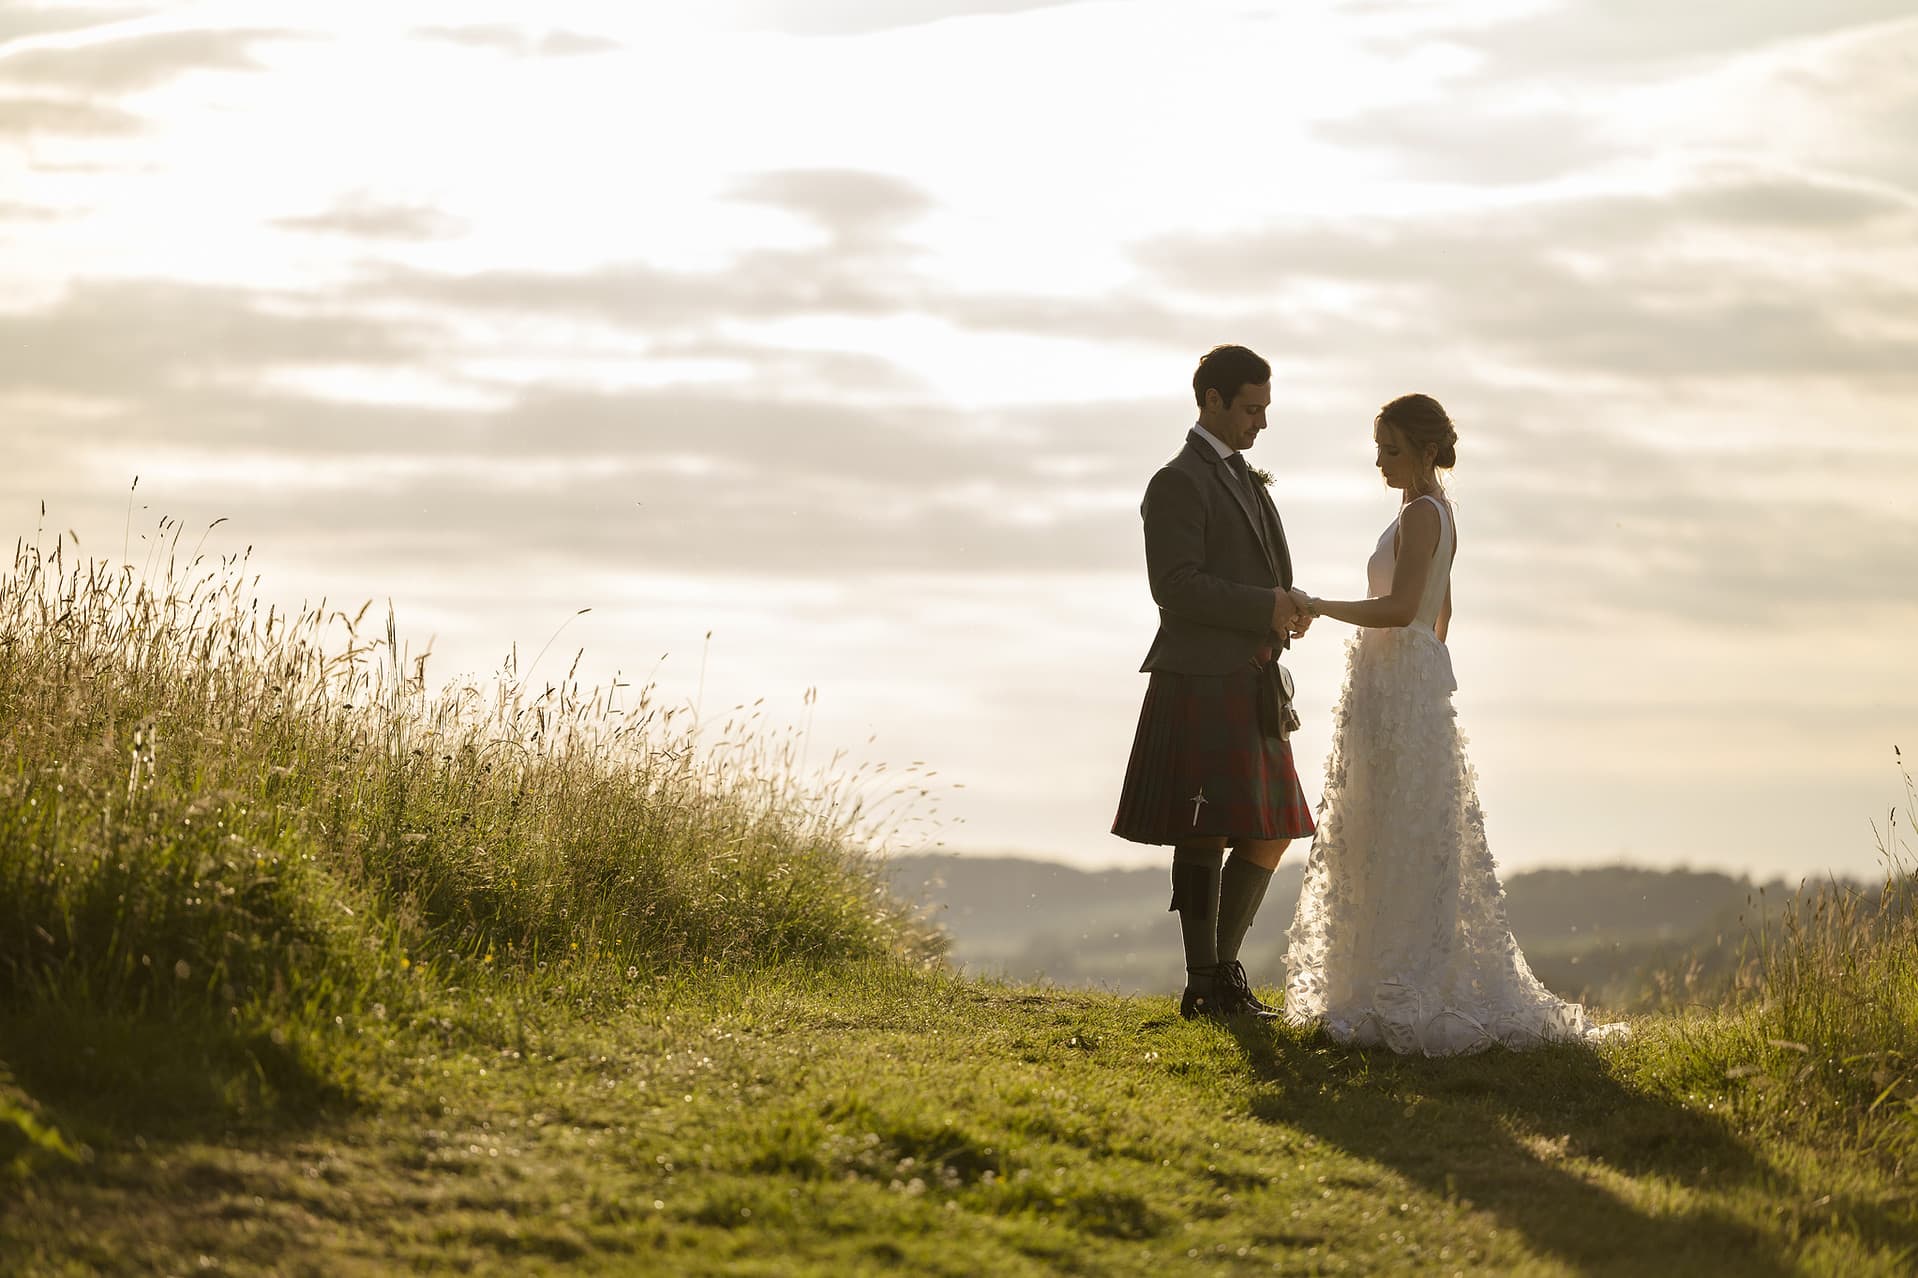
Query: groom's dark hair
[1225,369]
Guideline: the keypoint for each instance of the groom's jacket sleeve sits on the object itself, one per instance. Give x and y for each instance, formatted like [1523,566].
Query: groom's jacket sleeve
[1175,561]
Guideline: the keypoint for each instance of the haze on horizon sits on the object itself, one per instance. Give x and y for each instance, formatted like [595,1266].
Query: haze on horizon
[851,331]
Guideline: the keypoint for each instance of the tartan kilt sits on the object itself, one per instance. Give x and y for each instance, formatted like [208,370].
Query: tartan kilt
[1201,767]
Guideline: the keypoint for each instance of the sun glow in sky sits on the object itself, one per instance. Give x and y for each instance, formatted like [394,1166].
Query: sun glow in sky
[850,332]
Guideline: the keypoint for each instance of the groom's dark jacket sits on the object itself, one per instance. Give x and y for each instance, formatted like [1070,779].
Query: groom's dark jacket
[1214,552]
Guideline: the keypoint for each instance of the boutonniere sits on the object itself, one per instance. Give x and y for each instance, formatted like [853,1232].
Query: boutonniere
[1261,474]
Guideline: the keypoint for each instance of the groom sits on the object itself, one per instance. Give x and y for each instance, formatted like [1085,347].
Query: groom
[1210,764]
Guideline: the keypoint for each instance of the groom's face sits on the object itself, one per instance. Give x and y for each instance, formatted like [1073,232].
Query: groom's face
[1238,424]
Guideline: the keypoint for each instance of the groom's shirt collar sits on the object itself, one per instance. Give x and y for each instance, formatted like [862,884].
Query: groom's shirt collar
[1223,451]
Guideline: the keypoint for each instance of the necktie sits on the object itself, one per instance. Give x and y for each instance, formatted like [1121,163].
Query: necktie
[1237,462]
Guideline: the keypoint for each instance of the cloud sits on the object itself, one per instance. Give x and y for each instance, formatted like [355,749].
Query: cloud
[863,17]
[1381,247]
[1609,285]
[861,270]
[845,535]
[1599,528]
[154,342]
[861,214]
[1615,286]
[1807,203]
[1455,141]
[1861,89]
[1593,35]
[761,285]
[362,217]
[131,64]
[672,483]
[866,268]
[860,210]
[14,211]
[129,340]
[801,374]
[678,310]
[148,376]
[19,20]
[753,482]
[519,42]
[797,468]
[838,514]
[1823,87]
[60,117]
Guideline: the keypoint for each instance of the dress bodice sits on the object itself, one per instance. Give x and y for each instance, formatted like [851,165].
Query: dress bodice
[1378,569]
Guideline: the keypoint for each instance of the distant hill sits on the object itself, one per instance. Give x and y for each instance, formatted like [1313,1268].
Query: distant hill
[1604,934]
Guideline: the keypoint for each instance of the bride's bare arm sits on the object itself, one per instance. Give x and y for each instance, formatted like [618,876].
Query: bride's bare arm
[1418,540]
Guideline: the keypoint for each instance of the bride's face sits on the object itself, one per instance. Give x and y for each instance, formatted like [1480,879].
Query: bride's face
[1402,467]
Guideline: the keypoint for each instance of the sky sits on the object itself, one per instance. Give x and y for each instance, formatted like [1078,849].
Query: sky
[823,351]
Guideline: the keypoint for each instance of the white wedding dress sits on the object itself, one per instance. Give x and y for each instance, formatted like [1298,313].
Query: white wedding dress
[1400,937]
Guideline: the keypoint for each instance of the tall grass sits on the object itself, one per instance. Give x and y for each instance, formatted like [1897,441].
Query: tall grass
[210,807]
[1819,1030]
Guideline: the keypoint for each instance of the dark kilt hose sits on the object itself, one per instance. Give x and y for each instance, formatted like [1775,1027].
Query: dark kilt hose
[1206,763]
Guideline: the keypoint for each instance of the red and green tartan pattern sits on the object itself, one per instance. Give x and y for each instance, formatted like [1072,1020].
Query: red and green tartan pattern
[1202,769]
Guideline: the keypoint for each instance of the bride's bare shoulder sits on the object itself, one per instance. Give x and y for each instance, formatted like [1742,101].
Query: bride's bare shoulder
[1419,519]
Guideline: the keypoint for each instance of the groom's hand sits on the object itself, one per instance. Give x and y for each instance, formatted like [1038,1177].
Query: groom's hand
[1302,620]
[1286,613]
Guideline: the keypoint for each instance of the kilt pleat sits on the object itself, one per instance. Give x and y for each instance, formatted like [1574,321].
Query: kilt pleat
[1201,767]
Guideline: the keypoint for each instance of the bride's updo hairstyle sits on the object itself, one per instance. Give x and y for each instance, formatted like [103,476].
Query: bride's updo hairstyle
[1421,421]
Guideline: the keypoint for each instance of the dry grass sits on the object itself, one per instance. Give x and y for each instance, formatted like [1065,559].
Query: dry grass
[1815,1034]
[215,812]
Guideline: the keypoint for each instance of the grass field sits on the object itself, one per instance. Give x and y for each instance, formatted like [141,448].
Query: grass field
[303,970]
[833,1122]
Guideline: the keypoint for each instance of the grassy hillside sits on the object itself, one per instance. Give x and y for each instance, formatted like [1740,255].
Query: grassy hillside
[877,1119]
[303,970]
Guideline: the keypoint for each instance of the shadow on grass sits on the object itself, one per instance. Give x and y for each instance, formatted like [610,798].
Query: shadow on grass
[107,1079]
[1514,1134]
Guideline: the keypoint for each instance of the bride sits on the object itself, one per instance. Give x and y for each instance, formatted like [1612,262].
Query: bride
[1400,937]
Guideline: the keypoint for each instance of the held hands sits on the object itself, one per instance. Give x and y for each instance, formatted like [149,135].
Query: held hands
[1307,609]
[1289,614]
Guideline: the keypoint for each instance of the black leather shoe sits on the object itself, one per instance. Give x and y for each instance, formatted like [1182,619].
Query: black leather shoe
[1224,995]
[1202,1000]
[1239,990]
